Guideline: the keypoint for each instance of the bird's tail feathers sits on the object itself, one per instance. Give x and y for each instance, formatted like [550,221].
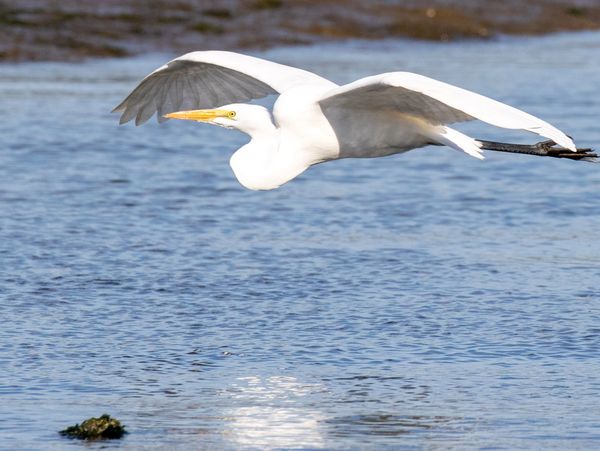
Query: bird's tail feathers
[457,140]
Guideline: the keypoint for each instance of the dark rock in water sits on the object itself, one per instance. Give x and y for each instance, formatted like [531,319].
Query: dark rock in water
[103,427]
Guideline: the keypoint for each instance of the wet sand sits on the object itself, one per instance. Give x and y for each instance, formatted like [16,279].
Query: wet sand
[76,29]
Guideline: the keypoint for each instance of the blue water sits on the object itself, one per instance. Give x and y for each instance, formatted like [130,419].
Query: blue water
[422,301]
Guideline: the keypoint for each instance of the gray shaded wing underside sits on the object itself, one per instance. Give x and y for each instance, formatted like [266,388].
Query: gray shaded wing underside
[378,119]
[383,97]
[189,85]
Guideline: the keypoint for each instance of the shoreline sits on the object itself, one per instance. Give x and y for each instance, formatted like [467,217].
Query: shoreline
[71,30]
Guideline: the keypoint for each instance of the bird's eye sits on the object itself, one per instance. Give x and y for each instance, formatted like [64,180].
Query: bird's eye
[231,114]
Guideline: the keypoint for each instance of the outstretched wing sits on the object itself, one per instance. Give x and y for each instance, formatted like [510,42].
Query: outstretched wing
[208,79]
[432,101]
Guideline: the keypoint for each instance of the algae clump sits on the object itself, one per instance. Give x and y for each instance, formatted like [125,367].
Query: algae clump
[103,427]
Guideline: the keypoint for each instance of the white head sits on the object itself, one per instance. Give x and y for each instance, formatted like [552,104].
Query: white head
[250,119]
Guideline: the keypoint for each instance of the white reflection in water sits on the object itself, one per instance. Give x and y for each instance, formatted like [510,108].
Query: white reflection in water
[268,415]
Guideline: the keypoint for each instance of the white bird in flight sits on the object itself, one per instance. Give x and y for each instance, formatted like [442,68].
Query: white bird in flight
[315,120]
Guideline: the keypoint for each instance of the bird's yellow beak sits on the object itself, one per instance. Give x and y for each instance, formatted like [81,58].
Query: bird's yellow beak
[200,115]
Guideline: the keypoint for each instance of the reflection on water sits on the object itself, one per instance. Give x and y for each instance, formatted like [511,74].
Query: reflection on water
[269,428]
[423,301]
[267,417]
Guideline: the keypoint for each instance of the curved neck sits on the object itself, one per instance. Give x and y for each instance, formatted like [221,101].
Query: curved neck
[261,126]
[263,165]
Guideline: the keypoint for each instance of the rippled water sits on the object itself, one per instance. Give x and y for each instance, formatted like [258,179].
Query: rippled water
[426,301]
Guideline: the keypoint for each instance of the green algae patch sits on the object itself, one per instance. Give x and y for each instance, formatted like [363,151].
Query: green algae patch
[93,428]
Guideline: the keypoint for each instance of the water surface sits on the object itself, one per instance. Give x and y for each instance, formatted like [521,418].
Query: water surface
[421,301]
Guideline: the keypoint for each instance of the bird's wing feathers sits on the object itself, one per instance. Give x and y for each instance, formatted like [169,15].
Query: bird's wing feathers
[208,79]
[433,101]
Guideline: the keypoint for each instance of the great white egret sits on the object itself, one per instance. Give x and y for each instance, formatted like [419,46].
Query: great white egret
[314,120]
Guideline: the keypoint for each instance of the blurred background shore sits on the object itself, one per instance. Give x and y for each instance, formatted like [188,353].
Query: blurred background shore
[33,30]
